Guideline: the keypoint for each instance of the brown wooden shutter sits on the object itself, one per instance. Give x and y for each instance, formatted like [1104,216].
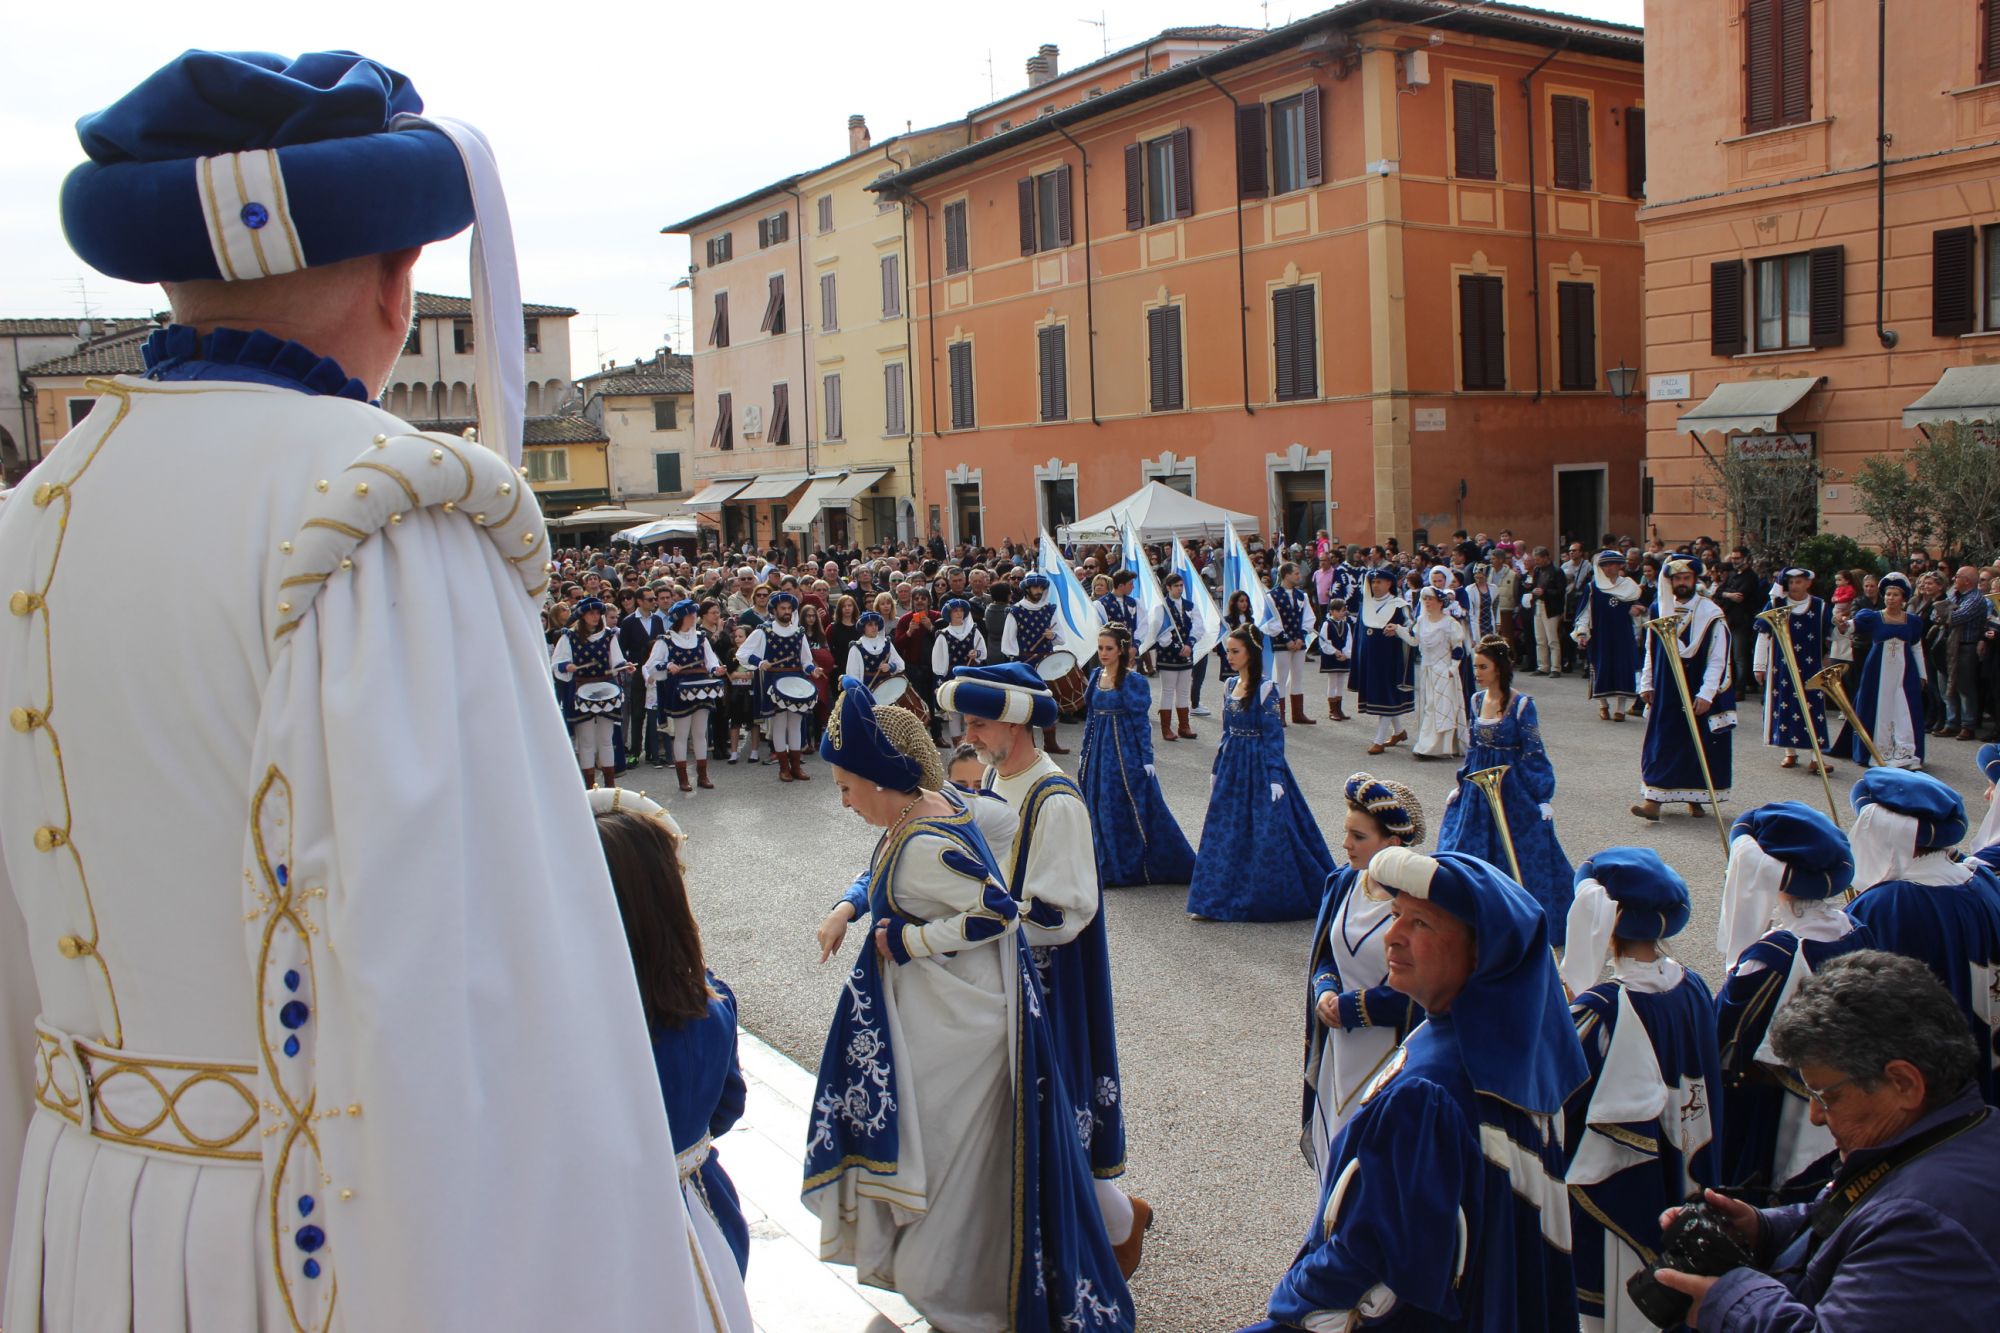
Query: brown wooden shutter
[781,415]
[1570,117]
[1315,164]
[1576,323]
[1051,348]
[1183,154]
[1472,131]
[1989,41]
[894,404]
[722,437]
[829,309]
[718,332]
[1827,290]
[956,258]
[1726,316]
[1471,354]
[1635,151]
[763,233]
[1760,65]
[961,386]
[1064,233]
[1252,176]
[1135,186]
[1159,395]
[1295,333]
[1795,69]
[1285,353]
[1024,190]
[1954,299]
[1482,332]
[774,307]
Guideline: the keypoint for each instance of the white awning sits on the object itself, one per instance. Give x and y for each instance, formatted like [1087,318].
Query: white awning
[1747,407]
[659,530]
[1969,394]
[712,495]
[830,490]
[773,486]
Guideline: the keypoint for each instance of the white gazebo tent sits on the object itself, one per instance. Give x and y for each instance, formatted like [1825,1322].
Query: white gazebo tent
[677,528]
[604,516]
[1159,513]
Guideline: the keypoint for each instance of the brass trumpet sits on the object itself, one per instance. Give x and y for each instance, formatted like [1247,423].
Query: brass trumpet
[1667,630]
[1829,678]
[1778,618]
[1488,781]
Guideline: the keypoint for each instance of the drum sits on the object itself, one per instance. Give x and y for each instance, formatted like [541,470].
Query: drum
[692,690]
[897,692]
[600,698]
[793,694]
[1060,672]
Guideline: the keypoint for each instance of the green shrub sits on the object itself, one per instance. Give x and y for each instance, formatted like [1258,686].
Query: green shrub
[1825,552]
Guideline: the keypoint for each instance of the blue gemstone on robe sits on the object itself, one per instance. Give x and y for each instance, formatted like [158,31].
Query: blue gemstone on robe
[291,1046]
[309,1238]
[255,216]
[305,1205]
[292,979]
[312,1268]
[284,876]
[294,1014]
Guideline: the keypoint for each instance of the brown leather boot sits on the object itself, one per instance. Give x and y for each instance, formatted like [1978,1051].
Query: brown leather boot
[1049,745]
[681,772]
[1187,732]
[1130,1250]
[799,766]
[1167,725]
[701,775]
[784,766]
[1338,713]
[1299,711]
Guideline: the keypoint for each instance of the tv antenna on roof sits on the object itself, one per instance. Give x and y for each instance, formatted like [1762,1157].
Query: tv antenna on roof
[1103,29]
[992,88]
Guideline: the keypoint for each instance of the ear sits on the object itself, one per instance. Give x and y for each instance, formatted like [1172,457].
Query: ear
[395,294]
[1908,1081]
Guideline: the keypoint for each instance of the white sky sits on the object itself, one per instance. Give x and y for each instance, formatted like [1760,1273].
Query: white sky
[610,119]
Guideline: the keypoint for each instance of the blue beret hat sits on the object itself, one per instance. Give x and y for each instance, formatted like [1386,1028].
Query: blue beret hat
[681,609]
[790,598]
[1680,562]
[957,604]
[590,604]
[1394,806]
[868,618]
[1989,761]
[1938,810]
[1652,897]
[245,165]
[1610,557]
[1034,580]
[1818,861]
[1009,692]
[856,739]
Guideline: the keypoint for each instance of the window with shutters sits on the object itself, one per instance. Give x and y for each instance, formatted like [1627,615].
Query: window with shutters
[1482,332]
[1955,303]
[666,414]
[724,434]
[1475,150]
[780,431]
[718,331]
[1635,151]
[1777,63]
[1052,363]
[1569,129]
[1045,211]
[720,248]
[1296,149]
[826,212]
[892,286]
[1295,341]
[1159,179]
[1784,303]
[1989,41]
[895,400]
[960,364]
[829,302]
[834,427]
[1253,178]
[957,241]
[547,464]
[1165,390]
[461,336]
[1992,301]
[773,229]
[774,307]
[1576,334]
[666,473]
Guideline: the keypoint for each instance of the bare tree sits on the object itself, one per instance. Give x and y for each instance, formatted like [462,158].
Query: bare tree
[1770,500]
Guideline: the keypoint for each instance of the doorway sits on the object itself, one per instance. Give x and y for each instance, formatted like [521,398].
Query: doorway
[1580,504]
[965,513]
[1301,504]
[1058,504]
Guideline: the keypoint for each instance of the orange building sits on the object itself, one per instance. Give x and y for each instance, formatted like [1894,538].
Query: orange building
[1771,325]
[1363,272]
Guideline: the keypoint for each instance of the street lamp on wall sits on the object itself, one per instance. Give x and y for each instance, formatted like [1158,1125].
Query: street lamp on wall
[1622,379]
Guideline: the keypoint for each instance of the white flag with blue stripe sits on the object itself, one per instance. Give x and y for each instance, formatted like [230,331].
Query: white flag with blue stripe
[1077,617]
[1239,575]
[1204,621]
[1152,615]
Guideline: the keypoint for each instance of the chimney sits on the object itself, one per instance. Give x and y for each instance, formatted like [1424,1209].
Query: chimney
[1038,71]
[1049,54]
[857,134]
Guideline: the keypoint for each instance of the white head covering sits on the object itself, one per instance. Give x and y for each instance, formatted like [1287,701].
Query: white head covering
[1749,896]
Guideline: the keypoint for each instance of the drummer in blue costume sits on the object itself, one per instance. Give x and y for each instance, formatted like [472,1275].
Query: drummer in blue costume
[586,661]
[686,677]
[1788,724]
[779,652]
[1384,671]
[1606,632]
[1670,768]
[1641,1134]
[1921,902]
[1507,732]
[1782,921]
[1137,838]
[1261,857]
[1030,636]
[1051,863]
[959,644]
[1888,696]
[873,658]
[1444,1207]
[942,1156]
[1355,1019]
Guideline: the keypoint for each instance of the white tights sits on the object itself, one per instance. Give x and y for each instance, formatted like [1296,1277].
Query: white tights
[1173,687]
[1336,683]
[788,731]
[693,725]
[1117,1210]
[1385,727]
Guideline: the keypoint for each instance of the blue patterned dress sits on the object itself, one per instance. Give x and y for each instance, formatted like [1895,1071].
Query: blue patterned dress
[705,1093]
[1260,859]
[1514,739]
[1138,840]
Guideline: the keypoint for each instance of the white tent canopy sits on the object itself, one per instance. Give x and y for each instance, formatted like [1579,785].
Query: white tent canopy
[601,517]
[659,530]
[1159,513]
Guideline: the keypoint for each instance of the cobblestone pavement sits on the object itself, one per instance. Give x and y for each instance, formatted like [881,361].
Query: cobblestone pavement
[1210,1017]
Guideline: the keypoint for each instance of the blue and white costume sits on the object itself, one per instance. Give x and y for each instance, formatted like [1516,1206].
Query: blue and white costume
[1444,1207]
[778,650]
[1030,635]
[1295,619]
[1670,769]
[1605,630]
[1120,609]
[1920,902]
[705,1094]
[943,1157]
[1336,651]
[873,658]
[1138,840]
[1786,721]
[1888,696]
[1261,857]
[1527,790]
[682,671]
[1443,669]
[577,660]
[1781,921]
[959,644]
[1173,657]
[1641,1134]
[1384,671]
[1350,582]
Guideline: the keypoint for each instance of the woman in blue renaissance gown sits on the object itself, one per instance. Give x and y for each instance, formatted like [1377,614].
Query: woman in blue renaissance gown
[1138,841]
[1506,730]
[1889,695]
[1261,856]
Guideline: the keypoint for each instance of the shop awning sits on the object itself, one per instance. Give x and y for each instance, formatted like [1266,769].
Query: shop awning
[773,486]
[1970,394]
[831,490]
[1747,407]
[712,495]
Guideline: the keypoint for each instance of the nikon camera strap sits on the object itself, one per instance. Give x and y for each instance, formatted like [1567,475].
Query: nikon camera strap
[1849,1188]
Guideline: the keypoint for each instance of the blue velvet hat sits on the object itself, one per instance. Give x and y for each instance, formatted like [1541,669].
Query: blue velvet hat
[1680,562]
[590,604]
[686,606]
[1514,1030]
[889,748]
[245,165]
[1610,557]
[1009,692]
[789,597]
[1393,805]
[1894,579]
[867,618]
[1382,572]
[1033,581]
[1652,897]
[1938,810]
[1817,859]
[1989,761]
[957,604]
[1787,575]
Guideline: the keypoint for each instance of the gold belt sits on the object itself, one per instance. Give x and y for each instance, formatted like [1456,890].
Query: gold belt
[190,1108]
[692,1160]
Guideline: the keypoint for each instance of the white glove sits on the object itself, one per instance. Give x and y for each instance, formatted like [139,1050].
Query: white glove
[1149,771]
[1454,796]
[1548,811]
[1277,791]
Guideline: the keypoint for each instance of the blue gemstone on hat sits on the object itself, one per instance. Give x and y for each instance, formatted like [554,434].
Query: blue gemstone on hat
[255,216]
[284,876]
[292,979]
[294,1014]
[305,1205]
[309,1238]
[291,1046]
[312,1268]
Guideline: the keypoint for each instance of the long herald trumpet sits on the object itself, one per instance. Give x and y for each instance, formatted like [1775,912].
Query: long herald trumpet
[1778,618]
[1667,630]
[1830,678]
[1488,781]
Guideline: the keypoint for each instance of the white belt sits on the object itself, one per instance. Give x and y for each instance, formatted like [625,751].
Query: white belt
[692,1160]
[189,1108]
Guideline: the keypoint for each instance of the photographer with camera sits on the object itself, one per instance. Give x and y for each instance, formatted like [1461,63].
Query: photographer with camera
[1908,1226]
